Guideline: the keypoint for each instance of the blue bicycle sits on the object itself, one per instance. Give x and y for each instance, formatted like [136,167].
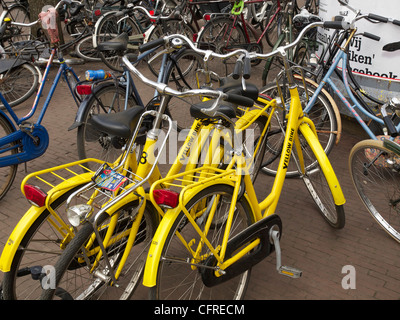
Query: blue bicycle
[22,141]
[317,102]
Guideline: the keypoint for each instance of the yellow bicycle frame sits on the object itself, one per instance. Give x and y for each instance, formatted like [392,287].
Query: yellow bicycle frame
[296,121]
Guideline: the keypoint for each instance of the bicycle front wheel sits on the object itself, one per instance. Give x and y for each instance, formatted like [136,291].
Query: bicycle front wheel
[375,172]
[85,50]
[19,84]
[322,115]
[222,35]
[181,74]
[179,273]
[317,184]
[81,274]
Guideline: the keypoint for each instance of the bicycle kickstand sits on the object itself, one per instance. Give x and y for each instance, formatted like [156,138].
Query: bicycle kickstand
[284,270]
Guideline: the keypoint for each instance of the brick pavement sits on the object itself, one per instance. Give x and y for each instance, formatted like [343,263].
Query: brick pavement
[308,243]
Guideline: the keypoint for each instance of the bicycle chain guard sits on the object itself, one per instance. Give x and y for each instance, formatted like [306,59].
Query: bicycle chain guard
[259,230]
[34,142]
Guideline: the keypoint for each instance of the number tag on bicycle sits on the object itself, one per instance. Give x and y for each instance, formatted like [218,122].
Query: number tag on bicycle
[108,179]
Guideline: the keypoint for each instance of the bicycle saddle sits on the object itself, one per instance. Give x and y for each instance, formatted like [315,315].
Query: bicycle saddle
[119,124]
[119,43]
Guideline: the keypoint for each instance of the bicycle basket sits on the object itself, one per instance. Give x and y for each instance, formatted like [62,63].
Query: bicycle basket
[48,18]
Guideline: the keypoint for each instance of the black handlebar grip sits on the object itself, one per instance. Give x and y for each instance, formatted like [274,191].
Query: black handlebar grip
[396,22]
[240,100]
[371,36]
[390,126]
[336,25]
[377,18]
[150,45]
[237,71]
[246,68]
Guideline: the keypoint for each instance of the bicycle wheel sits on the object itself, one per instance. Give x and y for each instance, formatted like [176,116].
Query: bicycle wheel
[168,27]
[317,185]
[321,114]
[78,276]
[91,143]
[276,21]
[19,84]
[221,35]
[7,173]
[110,27]
[181,75]
[374,169]
[18,13]
[40,247]
[177,277]
[85,50]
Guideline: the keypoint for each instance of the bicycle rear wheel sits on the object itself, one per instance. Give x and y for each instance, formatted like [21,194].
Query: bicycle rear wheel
[179,275]
[39,247]
[375,172]
[7,173]
[79,277]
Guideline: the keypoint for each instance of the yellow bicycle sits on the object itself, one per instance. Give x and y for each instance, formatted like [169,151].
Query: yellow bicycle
[205,246]
[212,226]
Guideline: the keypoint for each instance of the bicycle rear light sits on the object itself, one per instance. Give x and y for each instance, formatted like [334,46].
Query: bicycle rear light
[166,198]
[84,89]
[97,13]
[207,17]
[35,195]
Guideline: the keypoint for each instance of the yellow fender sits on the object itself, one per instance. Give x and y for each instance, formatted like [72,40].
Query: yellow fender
[30,217]
[158,242]
[326,166]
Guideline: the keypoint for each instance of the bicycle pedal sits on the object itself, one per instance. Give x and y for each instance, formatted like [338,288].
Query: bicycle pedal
[290,272]
[284,270]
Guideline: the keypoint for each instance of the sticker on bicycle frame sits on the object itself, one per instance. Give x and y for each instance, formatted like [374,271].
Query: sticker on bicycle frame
[108,179]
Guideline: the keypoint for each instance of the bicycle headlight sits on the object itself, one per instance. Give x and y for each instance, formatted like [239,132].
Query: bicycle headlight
[77,214]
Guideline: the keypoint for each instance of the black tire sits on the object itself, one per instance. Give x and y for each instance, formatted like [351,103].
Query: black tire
[317,185]
[19,84]
[181,75]
[17,13]
[7,173]
[321,114]
[173,275]
[110,27]
[167,27]
[221,36]
[85,284]
[91,143]
[85,50]
[374,170]
[39,247]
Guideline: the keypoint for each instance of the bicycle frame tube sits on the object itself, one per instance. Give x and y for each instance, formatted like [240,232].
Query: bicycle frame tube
[342,57]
